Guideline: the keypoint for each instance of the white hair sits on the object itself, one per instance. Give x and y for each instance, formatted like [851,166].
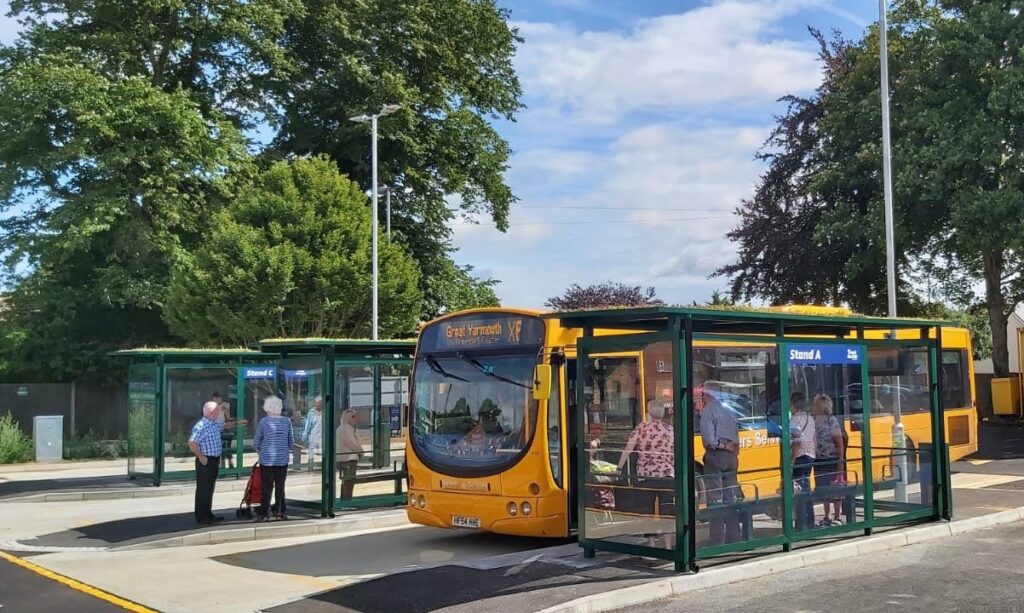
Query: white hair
[655,409]
[273,405]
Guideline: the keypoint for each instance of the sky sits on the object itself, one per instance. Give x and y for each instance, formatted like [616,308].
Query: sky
[638,138]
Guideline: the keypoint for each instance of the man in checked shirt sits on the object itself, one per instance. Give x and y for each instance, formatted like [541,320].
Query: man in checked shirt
[205,442]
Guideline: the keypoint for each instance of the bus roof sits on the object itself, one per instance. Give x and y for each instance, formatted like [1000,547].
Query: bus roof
[737,320]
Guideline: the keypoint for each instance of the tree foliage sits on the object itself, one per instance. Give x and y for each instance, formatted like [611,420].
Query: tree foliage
[291,257]
[609,294]
[101,182]
[123,129]
[449,65]
[813,231]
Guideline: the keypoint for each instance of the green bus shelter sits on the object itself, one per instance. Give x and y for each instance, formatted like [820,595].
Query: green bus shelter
[166,392]
[658,403]
[349,403]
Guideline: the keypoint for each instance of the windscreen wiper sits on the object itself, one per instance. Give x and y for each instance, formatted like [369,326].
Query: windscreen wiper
[436,367]
[490,371]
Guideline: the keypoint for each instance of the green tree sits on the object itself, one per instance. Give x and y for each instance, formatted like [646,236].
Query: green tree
[303,66]
[967,174]
[454,288]
[449,65]
[101,181]
[609,294]
[813,232]
[222,53]
[291,256]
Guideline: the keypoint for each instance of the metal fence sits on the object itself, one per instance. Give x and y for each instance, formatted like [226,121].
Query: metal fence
[102,410]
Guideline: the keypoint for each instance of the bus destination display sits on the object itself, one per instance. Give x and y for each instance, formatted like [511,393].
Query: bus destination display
[483,332]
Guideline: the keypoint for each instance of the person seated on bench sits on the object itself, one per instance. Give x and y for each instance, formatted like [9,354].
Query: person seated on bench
[349,450]
[654,443]
[719,431]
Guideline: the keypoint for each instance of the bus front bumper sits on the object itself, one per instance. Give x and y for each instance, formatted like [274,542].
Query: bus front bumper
[492,513]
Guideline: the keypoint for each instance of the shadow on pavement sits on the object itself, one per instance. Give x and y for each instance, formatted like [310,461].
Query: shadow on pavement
[9,489]
[1000,442]
[378,552]
[527,587]
[134,530]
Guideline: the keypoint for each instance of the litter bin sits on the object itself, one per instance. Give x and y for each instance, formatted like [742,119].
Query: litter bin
[48,437]
[1006,396]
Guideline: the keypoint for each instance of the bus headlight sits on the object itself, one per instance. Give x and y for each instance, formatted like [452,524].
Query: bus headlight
[412,500]
[527,508]
[512,509]
[421,502]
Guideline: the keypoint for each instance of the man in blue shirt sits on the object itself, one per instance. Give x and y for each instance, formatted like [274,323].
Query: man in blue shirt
[719,431]
[205,442]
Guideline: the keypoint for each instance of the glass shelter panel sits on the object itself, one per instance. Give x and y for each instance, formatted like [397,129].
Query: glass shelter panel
[186,390]
[629,445]
[826,423]
[372,402]
[142,420]
[902,430]
[739,457]
[300,385]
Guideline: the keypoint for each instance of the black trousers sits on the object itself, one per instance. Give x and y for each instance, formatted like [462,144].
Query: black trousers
[272,476]
[206,481]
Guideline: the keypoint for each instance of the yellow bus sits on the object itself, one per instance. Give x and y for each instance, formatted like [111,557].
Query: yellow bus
[481,453]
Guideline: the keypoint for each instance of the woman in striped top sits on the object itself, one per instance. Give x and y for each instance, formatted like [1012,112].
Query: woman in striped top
[273,442]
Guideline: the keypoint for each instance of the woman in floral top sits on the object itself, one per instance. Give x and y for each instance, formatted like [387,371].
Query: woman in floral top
[653,442]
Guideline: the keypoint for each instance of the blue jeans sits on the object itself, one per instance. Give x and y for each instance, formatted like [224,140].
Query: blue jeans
[804,512]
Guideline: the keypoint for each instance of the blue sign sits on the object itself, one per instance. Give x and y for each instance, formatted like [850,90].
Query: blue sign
[300,374]
[259,372]
[824,354]
[395,415]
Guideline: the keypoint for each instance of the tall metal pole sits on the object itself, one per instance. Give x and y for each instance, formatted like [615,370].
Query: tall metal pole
[373,155]
[899,438]
[890,231]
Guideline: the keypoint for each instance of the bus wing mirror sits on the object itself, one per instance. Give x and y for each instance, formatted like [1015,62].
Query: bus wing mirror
[542,382]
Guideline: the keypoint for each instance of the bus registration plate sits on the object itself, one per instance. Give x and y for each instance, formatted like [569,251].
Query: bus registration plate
[459,521]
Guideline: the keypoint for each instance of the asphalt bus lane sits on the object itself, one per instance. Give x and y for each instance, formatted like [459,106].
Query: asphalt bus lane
[24,590]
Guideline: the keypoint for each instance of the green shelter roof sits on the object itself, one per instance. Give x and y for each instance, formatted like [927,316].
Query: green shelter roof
[340,345]
[215,353]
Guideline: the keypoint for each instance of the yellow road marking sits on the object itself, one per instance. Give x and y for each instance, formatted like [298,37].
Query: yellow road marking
[76,585]
[978,462]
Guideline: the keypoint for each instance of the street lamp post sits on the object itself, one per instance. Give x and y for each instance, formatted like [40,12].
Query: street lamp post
[899,437]
[387,109]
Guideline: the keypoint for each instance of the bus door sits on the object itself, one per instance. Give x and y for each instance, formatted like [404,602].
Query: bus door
[570,439]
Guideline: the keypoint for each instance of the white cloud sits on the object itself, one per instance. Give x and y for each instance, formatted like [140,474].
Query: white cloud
[544,164]
[655,213]
[725,52]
